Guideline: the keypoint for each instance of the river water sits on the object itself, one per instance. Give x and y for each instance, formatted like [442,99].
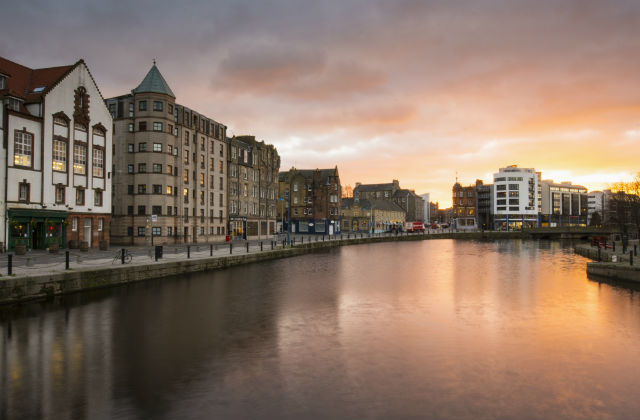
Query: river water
[431,329]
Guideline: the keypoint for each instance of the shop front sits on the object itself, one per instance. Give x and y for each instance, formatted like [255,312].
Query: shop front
[36,229]
[238,227]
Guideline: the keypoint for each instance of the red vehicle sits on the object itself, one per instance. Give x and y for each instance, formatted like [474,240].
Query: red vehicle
[414,227]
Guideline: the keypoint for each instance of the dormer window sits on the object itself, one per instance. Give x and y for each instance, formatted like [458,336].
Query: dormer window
[14,104]
[3,82]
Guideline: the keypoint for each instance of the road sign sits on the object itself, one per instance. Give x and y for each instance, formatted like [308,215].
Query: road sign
[154,217]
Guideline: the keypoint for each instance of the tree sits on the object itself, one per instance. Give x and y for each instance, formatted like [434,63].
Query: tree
[347,192]
[596,220]
[625,206]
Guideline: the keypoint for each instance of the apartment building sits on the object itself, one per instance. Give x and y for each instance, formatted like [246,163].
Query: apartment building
[170,176]
[464,207]
[253,184]
[563,204]
[408,200]
[516,198]
[56,157]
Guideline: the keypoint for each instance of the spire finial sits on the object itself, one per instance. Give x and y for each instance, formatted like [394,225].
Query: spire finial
[154,61]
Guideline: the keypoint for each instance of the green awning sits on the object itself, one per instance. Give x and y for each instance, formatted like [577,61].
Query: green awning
[37,214]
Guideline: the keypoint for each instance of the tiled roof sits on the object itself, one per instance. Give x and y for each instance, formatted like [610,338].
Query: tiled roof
[373,187]
[377,204]
[154,82]
[22,81]
[308,173]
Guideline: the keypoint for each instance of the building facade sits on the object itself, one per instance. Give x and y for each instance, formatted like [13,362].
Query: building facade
[314,197]
[408,200]
[252,184]
[170,178]
[57,143]
[464,207]
[563,204]
[516,198]
[484,205]
[371,216]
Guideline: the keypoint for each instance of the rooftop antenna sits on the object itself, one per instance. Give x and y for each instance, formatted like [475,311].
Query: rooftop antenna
[154,61]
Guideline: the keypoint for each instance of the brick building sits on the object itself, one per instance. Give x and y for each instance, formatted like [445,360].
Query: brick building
[408,200]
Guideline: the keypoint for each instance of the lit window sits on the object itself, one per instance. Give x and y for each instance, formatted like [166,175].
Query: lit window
[79,159]
[59,162]
[23,148]
[157,147]
[98,163]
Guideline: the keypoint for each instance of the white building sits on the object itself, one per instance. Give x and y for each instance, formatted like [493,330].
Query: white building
[597,203]
[563,204]
[516,201]
[427,215]
[57,152]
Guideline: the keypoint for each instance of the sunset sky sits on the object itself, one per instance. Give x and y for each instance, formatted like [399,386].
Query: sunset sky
[411,90]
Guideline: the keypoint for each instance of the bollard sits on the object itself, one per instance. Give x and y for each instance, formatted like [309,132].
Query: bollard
[66,260]
[322,238]
[10,264]
[247,247]
[271,245]
[261,246]
[613,244]
[156,254]
[123,252]
[284,243]
[635,250]
[230,248]
[630,257]
[211,250]
[599,253]
[188,251]
[303,239]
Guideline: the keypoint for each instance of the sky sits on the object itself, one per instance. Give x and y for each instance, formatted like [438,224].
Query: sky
[418,91]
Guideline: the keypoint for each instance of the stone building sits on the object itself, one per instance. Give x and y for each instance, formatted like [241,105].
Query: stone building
[252,184]
[56,157]
[170,177]
[371,216]
[315,197]
[464,207]
[412,203]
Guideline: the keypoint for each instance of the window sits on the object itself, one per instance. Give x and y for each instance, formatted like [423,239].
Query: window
[157,147]
[169,231]
[130,230]
[169,191]
[170,108]
[501,187]
[157,126]
[59,161]
[130,169]
[157,168]
[514,186]
[22,148]
[100,224]
[130,147]
[79,197]
[156,231]
[79,159]
[157,188]
[185,193]
[97,198]
[515,201]
[142,168]
[59,194]
[131,129]
[157,106]
[157,210]
[142,147]
[202,161]
[202,180]
[142,188]
[130,210]
[98,162]
[186,176]
[186,156]
[141,231]
[142,126]
[142,210]
[129,189]
[186,138]
[74,224]
[221,167]
[142,105]
[23,191]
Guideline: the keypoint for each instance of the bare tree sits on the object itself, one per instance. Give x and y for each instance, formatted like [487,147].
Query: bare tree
[625,208]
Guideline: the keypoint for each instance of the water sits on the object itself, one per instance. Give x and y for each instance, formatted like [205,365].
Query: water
[433,329]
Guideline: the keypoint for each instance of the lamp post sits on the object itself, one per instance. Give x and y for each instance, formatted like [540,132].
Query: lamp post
[288,217]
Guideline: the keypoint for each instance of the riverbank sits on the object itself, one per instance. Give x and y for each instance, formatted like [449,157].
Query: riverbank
[604,266]
[45,283]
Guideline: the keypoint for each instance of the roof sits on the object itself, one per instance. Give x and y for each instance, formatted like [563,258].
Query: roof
[377,204]
[309,173]
[153,82]
[405,192]
[22,81]
[374,187]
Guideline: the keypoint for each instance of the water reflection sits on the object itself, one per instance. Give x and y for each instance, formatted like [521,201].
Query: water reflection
[440,329]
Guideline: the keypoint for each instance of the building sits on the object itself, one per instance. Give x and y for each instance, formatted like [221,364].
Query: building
[314,197]
[516,198]
[433,212]
[371,216]
[464,207]
[56,157]
[170,177]
[412,204]
[595,204]
[484,205]
[426,212]
[253,184]
[563,204]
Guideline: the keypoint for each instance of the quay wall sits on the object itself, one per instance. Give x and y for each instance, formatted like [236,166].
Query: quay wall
[17,289]
[619,270]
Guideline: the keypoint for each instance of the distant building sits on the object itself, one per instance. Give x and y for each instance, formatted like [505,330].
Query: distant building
[56,158]
[170,169]
[484,205]
[371,215]
[253,187]
[596,204]
[412,204]
[464,207]
[426,212]
[563,204]
[516,198]
[315,196]
[433,212]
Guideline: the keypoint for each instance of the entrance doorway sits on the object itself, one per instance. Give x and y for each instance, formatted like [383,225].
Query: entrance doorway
[87,231]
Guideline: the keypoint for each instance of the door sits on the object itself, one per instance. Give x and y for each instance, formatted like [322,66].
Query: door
[330,229]
[87,231]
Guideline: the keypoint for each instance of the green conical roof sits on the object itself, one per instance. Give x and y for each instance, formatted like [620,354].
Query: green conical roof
[155,83]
